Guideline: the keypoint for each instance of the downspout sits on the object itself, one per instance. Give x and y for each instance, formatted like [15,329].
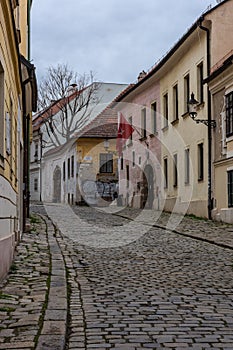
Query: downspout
[210,204]
[28,117]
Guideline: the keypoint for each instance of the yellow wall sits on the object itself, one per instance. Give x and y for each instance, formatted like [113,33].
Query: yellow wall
[92,148]
[12,92]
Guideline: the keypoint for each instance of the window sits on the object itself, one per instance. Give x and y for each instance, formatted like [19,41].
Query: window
[133,156]
[8,133]
[200,162]
[72,166]
[35,184]
[200,90]
[230,188]
[175,103]
[131,135]
[127,176]
[229,114]
[186,166]
[122,163]
[1,109]
[165,109]
[175,171]
[106,163]
[36,152]
[165,170]
[68,167]
[143,116]
[154,117]
[186,92]
[64,171]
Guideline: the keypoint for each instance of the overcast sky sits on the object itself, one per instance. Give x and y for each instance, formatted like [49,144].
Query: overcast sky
[116,39]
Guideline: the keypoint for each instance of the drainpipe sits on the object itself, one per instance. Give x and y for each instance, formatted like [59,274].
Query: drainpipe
[210,205]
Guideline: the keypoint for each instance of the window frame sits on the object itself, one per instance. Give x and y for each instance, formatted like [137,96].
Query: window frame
[68,168]
[154,117]
[200,161]
[175,102]
[186,92]
[165,109]
[143,122]
[72,166]
[105,163]
[187,166]
[200,86]
[229,113]
[230,188]
[165,171]
[175,170]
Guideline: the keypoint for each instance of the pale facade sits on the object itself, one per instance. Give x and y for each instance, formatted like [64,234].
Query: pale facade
[221,88]
[58,174]
[186,156]
[139,165]
[185,143]
[104,95]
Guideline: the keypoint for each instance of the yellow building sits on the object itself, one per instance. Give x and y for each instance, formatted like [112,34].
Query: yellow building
[220,83]
[17,99]
[97,173]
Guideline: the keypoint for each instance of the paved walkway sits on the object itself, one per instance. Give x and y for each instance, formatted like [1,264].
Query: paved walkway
[33,299]
[101,281]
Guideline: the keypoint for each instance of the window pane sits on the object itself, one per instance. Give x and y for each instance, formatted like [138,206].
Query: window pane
[106,163]
[187,166]
[229,114]
[153,118]
[175,159]
[200,162]
[230,188]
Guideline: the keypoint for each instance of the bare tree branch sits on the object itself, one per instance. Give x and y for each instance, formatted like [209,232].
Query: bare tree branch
[68,98]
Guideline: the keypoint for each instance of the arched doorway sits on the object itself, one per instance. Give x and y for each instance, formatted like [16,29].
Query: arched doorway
[147,192]
[57,185]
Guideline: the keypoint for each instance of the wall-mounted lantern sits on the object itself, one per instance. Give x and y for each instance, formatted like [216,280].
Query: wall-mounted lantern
[192,107]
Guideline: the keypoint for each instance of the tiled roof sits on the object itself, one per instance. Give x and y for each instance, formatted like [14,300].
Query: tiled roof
[105,125]
[52,109]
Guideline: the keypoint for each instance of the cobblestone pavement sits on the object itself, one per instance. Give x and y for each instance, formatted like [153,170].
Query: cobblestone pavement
[130,283]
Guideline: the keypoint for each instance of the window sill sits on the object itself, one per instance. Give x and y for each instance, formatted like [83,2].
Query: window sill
[154,134]
[185,115]
[175,121]
[143,138]
[165,128]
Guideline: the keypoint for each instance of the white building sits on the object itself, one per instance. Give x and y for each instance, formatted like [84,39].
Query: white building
[106,93]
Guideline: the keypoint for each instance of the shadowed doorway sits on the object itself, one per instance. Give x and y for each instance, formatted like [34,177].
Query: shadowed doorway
[57,185]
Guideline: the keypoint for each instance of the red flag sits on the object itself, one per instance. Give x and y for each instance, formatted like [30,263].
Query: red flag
[125,130]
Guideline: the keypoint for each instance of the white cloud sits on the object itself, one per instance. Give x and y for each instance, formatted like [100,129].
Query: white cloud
[114,38]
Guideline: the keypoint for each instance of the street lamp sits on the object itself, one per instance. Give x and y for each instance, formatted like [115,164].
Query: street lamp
[192,104]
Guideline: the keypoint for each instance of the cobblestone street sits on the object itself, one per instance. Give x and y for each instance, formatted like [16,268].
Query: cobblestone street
[122,281]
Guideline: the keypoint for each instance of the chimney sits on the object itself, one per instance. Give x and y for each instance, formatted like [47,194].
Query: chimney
[141,75]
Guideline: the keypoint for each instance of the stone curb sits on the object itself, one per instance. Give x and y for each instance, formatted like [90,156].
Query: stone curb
[53,333]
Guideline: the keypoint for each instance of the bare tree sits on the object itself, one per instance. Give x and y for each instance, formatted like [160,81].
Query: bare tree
[66,100]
